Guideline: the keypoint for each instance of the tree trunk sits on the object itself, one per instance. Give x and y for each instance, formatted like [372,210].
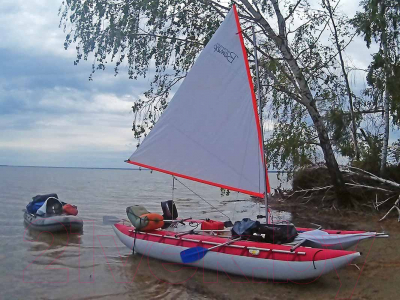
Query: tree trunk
[338,182]
[346,78]
[386,133]
[385,104]
[305,96]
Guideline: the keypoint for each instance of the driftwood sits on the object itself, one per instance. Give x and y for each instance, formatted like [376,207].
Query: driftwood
[394,185]
[366,189]
[395,206]
[370,176]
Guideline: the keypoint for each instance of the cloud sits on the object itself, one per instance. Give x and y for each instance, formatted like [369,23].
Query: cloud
[50,113]
[32,26]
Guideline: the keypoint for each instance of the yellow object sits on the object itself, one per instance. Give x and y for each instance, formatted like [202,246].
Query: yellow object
[254,252]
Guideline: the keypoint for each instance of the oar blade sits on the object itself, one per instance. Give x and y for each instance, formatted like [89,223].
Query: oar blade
[193,254]
[110,220]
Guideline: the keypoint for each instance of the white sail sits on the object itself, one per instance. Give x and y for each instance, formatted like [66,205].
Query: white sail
[210,131]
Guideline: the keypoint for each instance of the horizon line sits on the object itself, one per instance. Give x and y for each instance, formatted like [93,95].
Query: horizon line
[98,168]
[64,167]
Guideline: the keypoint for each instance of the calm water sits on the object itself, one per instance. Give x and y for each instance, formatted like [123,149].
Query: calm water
[94,264]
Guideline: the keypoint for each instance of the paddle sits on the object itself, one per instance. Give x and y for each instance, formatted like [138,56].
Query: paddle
[194,231]
[196,253]
[110,220]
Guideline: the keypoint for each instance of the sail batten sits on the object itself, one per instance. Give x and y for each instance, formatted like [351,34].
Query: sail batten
[210,131]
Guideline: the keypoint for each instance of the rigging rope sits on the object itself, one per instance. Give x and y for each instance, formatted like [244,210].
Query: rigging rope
[201,198]
[173,187]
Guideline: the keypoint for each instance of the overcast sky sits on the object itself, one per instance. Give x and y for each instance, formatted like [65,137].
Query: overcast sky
[50,113]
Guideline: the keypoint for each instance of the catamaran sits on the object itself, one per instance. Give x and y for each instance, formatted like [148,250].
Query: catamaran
[211,133]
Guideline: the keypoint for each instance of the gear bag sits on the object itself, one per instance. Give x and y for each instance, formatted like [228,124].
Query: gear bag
[278,233]
[38,201]
[169,212]
[142,219]
[245,228]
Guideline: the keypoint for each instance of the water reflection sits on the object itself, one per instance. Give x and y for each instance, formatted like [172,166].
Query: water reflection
[47,240]
[94,264]
[147,278]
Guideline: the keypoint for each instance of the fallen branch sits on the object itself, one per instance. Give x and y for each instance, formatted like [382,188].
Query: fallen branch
[369,187]
[312,184]
[312,190]
[370,176]
[395,206]
[382,202]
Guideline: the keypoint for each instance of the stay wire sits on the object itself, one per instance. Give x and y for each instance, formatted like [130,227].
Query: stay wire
[202,198]
[173,187]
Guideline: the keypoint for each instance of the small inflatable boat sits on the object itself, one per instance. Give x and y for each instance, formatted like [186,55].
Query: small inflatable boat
[47,213]
[53,223]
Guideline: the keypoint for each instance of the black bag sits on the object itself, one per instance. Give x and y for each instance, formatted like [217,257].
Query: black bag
[278,233]
[53,207]
[42,198]
[169,210]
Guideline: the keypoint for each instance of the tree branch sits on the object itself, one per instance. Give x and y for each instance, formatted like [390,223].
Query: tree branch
[281,19]
[165,37]
[291,12]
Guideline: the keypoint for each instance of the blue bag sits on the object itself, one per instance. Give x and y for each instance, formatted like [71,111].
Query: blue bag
[38,201]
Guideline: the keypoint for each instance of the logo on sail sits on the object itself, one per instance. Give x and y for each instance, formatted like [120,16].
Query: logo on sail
[230,56]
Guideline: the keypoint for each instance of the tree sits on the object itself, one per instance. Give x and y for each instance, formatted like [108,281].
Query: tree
[335,34]
[297,69]
[380,21]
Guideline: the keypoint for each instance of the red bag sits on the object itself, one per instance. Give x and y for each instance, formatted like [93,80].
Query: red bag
[70,209]
[212,225]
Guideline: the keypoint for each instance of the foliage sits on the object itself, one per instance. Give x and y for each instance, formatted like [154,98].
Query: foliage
[162,38]
[303,90]
[370,154]
[152,37]
[291,145]
[379,21]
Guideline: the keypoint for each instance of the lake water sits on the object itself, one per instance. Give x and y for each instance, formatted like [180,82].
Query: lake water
[94,264]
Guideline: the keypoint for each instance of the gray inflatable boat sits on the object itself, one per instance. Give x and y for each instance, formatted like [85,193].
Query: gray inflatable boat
[47,213]
[53,223]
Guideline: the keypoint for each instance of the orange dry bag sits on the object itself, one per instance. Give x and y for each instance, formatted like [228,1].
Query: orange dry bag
[70,209]
[212,225]
[151,221]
